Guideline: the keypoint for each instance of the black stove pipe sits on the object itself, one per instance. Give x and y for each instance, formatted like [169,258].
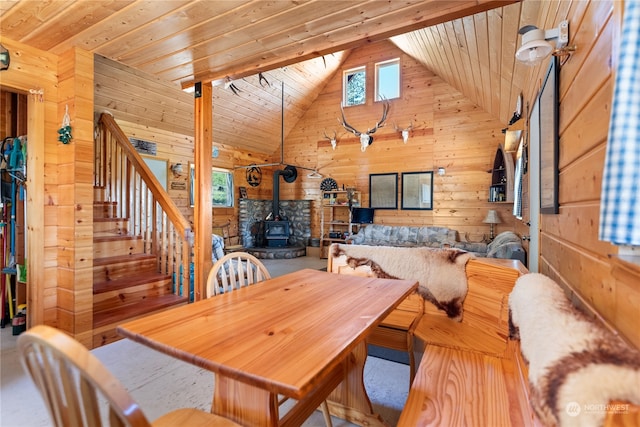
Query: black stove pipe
[289,173]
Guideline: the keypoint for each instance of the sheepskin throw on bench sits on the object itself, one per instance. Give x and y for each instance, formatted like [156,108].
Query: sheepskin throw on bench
[440,272]
[576,366]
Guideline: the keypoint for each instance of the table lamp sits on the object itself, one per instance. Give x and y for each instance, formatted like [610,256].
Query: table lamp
[491,219]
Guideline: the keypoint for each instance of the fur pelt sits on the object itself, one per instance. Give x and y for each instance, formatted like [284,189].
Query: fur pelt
[576,366]
[440,272]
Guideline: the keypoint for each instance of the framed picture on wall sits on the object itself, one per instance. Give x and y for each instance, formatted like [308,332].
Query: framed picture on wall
[383,190]
[417,190]
[549,130]
[159,169]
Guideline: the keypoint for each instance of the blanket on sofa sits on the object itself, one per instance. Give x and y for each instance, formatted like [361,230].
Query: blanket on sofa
[440,272]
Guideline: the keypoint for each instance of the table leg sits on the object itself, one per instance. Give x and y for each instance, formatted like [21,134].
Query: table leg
[252,406]
[244,403]
[349,400]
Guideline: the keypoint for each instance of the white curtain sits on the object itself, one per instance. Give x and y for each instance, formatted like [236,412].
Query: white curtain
[517,190]
[620,204]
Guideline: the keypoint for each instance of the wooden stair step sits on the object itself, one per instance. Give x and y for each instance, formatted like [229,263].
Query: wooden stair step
[105,322]
[110,226]
[132,294]
[129,312]
[117,267]
[104,209]
[129,281]
[104,246]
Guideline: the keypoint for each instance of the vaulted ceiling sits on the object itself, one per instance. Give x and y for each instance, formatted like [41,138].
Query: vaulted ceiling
[470,44]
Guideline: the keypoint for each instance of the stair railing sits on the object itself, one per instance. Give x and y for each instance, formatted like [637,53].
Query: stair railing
[138,196]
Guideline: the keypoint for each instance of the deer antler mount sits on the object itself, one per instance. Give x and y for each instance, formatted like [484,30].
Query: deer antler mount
[365,137]
[333,139]
[405,131]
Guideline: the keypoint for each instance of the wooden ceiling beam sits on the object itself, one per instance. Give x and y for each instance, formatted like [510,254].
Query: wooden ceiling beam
[366,33]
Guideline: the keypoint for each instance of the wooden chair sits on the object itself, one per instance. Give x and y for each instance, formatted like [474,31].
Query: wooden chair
[75,384]
[224,230]
[236,270]
[233,271]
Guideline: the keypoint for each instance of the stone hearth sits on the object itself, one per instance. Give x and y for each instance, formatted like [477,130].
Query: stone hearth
[297,212]
[286,252]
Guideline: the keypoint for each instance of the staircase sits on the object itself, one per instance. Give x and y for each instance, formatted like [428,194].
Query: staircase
[127,283]
[142,254]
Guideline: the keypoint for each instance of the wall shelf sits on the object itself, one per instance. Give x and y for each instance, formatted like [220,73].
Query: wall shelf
[502,176]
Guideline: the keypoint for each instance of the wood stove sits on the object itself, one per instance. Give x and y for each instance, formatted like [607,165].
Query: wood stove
[276,233]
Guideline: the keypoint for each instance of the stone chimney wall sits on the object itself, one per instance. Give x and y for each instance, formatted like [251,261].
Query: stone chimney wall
[252,211]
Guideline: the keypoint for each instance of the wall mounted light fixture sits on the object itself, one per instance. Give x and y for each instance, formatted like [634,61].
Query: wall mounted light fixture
[441,171]
[177,169]
[5,58]
[535,46]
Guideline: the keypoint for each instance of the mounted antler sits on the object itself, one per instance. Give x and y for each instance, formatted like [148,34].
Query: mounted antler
[365,137]
[405,131]
[334,139]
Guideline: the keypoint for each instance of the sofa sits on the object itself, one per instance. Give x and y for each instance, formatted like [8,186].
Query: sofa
[506,245]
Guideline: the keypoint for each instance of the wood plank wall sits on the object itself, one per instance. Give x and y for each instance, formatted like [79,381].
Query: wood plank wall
[75,200]
[570,250]
[35,70]
[448,131]
[150,109]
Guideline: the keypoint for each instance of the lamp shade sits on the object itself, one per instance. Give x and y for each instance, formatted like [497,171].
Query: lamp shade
[533,52]
[492,218]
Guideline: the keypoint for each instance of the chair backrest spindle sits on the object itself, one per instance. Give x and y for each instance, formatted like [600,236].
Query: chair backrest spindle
[233,271]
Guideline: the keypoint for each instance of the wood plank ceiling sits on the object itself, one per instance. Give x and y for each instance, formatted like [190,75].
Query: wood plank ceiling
[470,44]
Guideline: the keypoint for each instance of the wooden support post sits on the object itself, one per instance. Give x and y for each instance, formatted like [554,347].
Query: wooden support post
[203,142]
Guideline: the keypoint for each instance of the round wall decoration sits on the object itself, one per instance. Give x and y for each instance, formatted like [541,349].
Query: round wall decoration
[328,184]
[254,176]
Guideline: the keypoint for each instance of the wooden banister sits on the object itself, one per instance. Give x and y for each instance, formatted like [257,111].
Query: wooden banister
[173,213]
[139,197]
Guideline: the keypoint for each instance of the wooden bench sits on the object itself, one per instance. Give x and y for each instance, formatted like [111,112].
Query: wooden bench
[471,373]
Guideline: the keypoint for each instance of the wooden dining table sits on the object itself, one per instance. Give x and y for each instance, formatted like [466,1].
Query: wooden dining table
[300,335]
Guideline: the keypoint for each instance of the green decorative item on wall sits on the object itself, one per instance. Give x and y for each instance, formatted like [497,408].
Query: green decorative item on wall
[64,133]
